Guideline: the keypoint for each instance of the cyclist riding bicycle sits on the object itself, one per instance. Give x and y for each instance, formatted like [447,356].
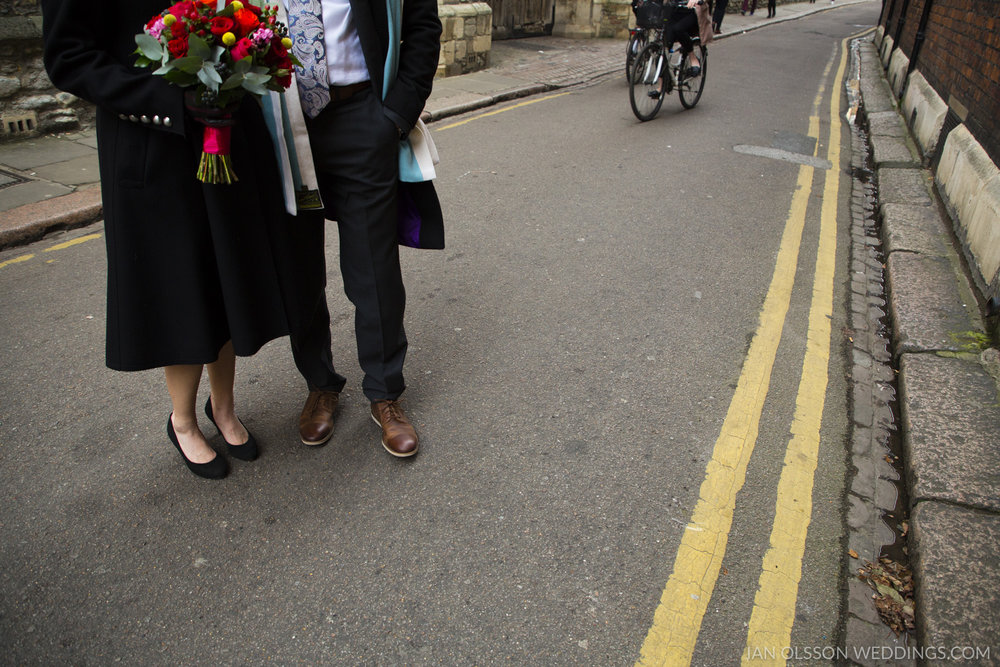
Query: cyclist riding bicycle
[682,19]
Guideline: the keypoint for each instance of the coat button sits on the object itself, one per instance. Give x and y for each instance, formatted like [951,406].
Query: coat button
[144,118]
[122,116]
[133,118]
[156,120]
[167,122]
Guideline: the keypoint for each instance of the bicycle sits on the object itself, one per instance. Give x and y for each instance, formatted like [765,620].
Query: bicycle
[638,38]
[656,73]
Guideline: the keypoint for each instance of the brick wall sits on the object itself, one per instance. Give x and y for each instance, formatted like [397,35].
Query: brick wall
[959,57]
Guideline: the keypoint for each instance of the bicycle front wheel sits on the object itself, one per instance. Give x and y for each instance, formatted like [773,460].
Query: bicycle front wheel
[647,88]
[690,87]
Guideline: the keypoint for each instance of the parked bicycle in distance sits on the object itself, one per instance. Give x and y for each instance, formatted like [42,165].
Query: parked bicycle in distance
[657,71]
[638,38]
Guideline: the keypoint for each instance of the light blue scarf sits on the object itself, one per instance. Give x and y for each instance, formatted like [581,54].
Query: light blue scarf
[417,154]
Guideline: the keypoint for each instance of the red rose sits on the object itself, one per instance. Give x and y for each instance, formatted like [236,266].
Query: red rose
[220,25]
[178,47]
[242,49]
[277,52]
[284,81]
[246,21]
[178,30]
[184,9]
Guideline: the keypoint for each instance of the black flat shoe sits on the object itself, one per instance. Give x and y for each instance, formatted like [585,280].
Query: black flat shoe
[245,452]
[214,469]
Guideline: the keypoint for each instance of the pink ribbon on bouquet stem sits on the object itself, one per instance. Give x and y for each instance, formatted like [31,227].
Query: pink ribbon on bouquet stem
[216,140]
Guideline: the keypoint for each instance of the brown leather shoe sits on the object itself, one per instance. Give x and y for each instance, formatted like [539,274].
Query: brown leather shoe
[398,436]
[316,420]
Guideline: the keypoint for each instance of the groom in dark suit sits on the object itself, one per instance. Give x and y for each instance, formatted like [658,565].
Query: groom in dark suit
[355,122]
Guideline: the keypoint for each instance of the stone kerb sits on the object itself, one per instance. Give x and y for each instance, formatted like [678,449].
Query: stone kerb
[925,111]
[983,235]
[969,184]
[898,65]
[886,51]
[466,37]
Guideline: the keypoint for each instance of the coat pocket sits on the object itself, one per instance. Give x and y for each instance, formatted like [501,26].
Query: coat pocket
[129,154]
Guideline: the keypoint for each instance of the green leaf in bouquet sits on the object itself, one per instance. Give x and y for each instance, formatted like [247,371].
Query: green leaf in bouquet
[189,64]
[233,81]
[208,76]
[164,69]
[198,47]
[149,46]
[243,65]
[179,78]
[255,87]
[257,78]
[143,61]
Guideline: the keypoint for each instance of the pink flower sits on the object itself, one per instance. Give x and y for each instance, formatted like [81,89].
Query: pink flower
[242,49]
[261,36]
[155,27]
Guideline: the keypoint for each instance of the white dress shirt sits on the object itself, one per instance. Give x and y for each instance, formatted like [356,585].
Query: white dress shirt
[345,61]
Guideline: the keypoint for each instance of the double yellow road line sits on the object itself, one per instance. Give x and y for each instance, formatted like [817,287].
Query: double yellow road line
[677,621]
[58,246]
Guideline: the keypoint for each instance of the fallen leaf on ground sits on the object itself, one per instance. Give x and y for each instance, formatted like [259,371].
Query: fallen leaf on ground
[893,585]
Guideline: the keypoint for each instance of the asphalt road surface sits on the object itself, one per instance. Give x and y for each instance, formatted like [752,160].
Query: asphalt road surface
[627,370]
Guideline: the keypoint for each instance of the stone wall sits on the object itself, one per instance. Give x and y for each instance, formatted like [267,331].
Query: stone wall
[29,104]
[466,37]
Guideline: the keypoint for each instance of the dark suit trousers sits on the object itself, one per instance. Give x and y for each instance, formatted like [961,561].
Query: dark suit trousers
[356,154]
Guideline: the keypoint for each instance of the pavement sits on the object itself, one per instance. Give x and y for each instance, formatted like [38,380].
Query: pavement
[925,409]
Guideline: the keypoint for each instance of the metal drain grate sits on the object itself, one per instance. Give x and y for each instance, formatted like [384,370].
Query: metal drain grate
[8,179]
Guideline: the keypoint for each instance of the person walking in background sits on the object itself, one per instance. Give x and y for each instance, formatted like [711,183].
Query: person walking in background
[770,8]
[753,7]
[718,13]
[363,84]
[198,274]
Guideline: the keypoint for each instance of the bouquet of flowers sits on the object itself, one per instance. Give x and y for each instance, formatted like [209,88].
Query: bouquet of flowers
[220,51]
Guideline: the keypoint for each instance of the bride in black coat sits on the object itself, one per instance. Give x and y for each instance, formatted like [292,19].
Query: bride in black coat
[197,274]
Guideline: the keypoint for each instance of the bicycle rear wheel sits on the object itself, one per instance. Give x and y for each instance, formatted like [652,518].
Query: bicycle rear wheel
[647,88]
[690,87]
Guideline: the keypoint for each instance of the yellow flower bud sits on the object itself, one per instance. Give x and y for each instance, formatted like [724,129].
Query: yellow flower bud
[228,39]
[237,5]
[169,20]
[285,42]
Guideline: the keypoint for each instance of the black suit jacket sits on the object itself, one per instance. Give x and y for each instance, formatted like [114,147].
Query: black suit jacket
[418,57]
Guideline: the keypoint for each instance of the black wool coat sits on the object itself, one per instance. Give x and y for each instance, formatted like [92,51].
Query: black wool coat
[190,265]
